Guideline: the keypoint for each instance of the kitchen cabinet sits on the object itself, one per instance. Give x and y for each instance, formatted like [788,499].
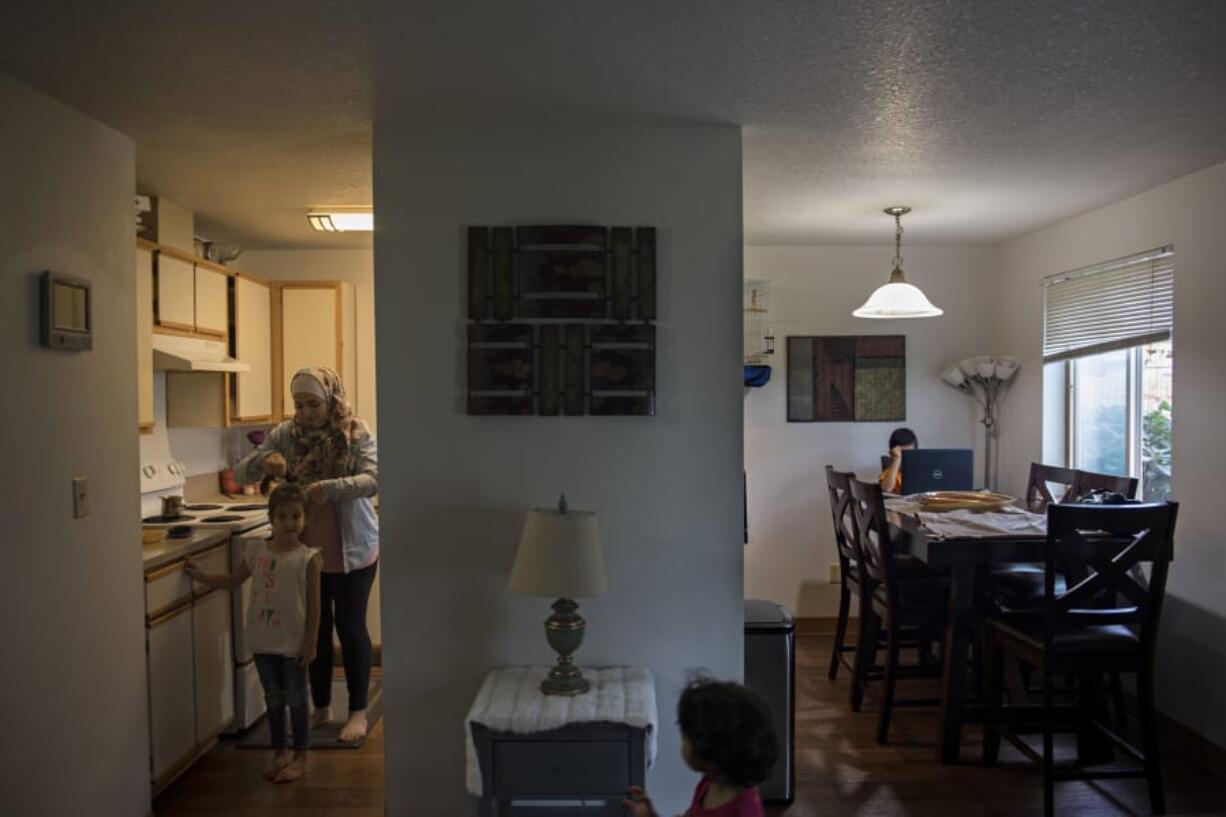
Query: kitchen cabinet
[176,292]
[144,336]
[251,391]
[314,324]
[214,661]
[212,301]
[172,693]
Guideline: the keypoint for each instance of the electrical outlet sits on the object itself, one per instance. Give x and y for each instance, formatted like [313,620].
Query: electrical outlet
[80,497]
[834,572]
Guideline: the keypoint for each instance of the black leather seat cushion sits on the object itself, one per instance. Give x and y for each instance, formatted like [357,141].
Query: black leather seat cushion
[1020,586]
[1107,639]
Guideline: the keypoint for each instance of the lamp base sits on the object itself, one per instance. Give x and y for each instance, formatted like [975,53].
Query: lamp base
[564,632]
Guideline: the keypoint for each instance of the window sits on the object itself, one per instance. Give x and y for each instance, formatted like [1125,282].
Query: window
[1107,339]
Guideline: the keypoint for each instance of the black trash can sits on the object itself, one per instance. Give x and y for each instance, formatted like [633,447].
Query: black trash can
[770,671]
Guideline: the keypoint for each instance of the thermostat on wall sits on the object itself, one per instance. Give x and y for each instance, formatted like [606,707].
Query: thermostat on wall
[65,313]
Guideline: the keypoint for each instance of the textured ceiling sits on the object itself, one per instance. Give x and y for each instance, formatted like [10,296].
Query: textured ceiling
[988,118]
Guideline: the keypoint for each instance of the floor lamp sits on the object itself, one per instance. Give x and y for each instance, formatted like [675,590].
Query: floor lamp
[983,378]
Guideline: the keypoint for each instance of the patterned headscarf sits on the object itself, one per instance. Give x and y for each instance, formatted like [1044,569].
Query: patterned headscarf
[323,452]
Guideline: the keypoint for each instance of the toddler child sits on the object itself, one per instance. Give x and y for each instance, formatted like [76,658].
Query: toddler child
[726,736]
[282,622]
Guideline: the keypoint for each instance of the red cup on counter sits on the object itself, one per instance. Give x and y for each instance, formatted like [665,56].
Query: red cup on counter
[228,484]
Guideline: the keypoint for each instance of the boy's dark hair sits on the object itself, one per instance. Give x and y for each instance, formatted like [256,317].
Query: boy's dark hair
[286,492]
[902,436]
[730,732]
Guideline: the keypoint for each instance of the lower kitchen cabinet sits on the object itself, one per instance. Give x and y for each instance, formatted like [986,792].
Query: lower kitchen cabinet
[172,692]
[214,665]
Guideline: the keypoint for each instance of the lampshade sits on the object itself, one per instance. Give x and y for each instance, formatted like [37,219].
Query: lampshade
[898,300]
[954,377]
[1006,367]
[559,555]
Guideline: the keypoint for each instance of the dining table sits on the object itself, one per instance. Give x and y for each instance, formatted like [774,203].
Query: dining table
[967,545]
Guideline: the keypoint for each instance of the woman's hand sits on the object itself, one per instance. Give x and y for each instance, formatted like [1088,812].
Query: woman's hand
[274,465]
[895,453]
[306,653]
[638,803]
[315,494]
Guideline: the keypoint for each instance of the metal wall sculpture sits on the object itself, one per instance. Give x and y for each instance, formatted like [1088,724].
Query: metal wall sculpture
[561,320]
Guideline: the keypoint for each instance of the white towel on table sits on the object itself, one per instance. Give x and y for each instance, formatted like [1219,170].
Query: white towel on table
[951,524]
[511,700]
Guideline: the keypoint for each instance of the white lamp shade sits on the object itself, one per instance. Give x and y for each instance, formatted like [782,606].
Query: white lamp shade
[559,555]
[985,367]
[954,377]
[898,300]
[1006,367]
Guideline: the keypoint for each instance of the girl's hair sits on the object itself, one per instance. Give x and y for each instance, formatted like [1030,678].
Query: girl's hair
[902,436]
[729,730]
[286,492]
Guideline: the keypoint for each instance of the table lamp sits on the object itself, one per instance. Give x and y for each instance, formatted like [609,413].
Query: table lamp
[559,557]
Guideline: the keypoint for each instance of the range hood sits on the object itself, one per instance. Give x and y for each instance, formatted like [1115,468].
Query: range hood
[177,354]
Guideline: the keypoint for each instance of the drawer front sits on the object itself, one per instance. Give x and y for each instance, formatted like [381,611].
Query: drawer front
[544,767]
[165,587]
[214,560]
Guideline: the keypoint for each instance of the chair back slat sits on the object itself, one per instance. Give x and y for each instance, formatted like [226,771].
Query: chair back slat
[1039,493]
[1087,481]
[1112,542]
[846,539]
[876,548]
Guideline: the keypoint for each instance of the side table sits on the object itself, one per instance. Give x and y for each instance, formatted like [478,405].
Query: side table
[530,749]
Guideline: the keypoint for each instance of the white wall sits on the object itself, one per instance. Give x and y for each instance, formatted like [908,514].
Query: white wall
[73,683]
[813,291]
[353,266]
[1186,213]
[667,489]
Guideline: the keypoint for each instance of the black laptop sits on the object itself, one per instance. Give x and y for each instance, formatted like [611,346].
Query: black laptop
[937,469]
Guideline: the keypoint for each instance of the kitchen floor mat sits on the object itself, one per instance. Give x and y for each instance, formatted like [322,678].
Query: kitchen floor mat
[326,736]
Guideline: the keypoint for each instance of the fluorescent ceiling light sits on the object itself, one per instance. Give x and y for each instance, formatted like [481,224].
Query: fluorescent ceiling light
[342,219]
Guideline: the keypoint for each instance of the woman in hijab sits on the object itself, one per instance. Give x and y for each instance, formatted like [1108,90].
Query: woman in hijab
[333,455]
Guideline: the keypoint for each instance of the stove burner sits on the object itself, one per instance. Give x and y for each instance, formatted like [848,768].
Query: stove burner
[246,507]
[165,520]
[225,517]
[202,508]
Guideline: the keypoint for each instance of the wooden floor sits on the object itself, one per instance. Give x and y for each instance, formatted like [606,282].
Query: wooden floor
[840,771]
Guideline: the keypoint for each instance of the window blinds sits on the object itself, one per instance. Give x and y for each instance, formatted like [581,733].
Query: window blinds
[1114,305]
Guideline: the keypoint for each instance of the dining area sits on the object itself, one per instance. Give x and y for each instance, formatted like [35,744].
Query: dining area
[1034,620]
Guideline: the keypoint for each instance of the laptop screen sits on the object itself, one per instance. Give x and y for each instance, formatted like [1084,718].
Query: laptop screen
[937,469]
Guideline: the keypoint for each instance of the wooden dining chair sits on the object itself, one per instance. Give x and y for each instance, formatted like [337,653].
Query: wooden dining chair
[1039,492]
[847,546]
[1105,623]
[905,598]
[1086,481]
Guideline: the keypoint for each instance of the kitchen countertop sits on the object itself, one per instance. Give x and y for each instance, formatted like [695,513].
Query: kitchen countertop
[168,550]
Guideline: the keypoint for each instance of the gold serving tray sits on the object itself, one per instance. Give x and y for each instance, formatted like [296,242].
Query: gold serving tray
[938,501]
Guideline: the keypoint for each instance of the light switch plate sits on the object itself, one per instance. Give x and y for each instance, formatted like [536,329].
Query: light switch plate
[834,572]
[80,497]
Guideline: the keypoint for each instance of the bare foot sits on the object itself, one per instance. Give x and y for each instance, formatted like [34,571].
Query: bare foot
[292,771]
[279,761]
[321,716]
[355,727]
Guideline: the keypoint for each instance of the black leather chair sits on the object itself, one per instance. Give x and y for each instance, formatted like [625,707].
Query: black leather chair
[1104,623]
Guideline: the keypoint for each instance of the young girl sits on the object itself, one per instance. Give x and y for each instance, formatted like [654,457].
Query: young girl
[726,736]
[282,622]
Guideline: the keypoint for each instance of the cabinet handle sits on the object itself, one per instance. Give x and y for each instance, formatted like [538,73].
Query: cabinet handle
[164,570]
[162,618]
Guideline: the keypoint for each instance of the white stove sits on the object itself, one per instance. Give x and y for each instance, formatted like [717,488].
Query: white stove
[161,477]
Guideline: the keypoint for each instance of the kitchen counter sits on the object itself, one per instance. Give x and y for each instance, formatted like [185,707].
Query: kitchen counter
[168,550]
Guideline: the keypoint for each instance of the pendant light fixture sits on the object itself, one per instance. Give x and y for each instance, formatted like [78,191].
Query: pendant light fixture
[897,299]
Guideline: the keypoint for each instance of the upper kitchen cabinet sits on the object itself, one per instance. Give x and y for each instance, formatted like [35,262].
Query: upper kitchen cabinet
[212,313]
[314,324]
[175,300]
[251,394]
[144,335]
